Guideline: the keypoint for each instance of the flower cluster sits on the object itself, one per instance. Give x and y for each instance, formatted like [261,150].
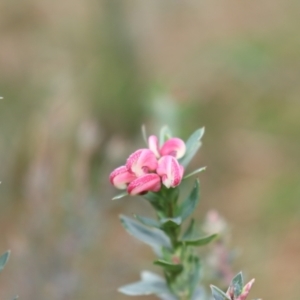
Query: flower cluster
[148,168]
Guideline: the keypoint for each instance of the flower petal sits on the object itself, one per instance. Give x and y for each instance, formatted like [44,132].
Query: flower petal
[170,171]
[146,183]
[153,145]
[141,162]
[120,177]
[175,147]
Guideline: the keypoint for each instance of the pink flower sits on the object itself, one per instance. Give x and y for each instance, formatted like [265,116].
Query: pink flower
[135,175]
[174,147]
[170,171]
[141,162]
[146,183]
[120,177]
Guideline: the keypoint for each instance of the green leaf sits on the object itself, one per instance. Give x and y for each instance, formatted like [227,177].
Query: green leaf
[150,284]
[164,135]
[194,172]
[201,241]
[237,283]
[192,146]
[3,259]
[150,236]
[169,266]
[189,205]
[122,195]
[147,221]
[188,235]
[218,294]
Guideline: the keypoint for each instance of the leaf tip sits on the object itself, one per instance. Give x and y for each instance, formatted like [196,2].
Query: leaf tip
[122,195]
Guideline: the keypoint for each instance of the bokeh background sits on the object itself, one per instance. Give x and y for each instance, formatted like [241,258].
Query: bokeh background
[80,77]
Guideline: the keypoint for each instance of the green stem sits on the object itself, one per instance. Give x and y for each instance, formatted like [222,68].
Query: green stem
[178,282]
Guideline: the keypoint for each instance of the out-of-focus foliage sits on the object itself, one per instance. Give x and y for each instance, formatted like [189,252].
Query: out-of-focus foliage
[78,80]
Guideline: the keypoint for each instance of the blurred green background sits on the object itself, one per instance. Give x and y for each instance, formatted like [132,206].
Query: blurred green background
[80,77]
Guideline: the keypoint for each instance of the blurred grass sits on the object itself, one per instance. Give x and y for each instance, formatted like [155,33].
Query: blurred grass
[79,79]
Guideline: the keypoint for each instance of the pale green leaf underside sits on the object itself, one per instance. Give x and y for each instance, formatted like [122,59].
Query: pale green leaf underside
[150,283]
[147,221]
[3,259]
[218,294]
[150,236]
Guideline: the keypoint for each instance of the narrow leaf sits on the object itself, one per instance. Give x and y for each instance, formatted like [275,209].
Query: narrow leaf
[200,241]
[3,259]
[189,205]
[147,221]
[192,146]
[122,195]
[194,172]
[169,266]
[237,284]
[150,236]
[195,137]
[218,294]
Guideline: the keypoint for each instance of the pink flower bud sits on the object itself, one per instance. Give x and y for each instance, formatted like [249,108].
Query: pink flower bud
[170,171]
[141,162]
[145,183]
[153,145]
[246,290]
[174,147]
[120,177]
